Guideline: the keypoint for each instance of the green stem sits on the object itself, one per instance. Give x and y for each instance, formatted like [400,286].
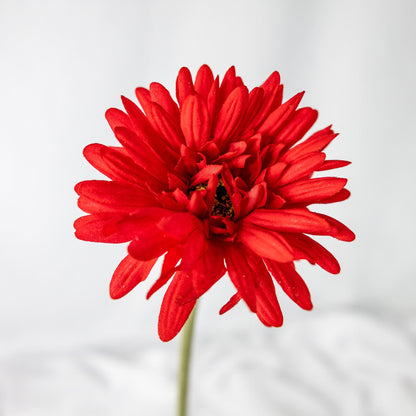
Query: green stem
[184,365]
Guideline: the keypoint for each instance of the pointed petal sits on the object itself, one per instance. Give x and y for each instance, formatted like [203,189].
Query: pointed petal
[108,196]
[316,143]
[203,81]
[272,98]
[116,118]
[129,273]
[296,128]
[141,153]
[143,96]
[273,174]
[314,252]
[173,313]
[278,117]
[231,113]
[301,168]
[213,103]
[342,195]
[208,269]
[116,165]
[150,243]
[228,84]
[342,232]
[267,306]
[167,127]
[170,261]
[333,164]
[231,303]
[179,225]
[160,95]
[184,85]
[146,129]
[241,273]
[266,243]
[195,122]
[290,281]
[289,220]
[205,174]
[255,101]
[312,190]
[256,197]
[95,228]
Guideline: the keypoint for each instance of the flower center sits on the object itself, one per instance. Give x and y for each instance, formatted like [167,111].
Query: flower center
[222,205]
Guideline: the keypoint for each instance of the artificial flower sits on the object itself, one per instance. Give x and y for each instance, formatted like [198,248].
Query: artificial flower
[219,181]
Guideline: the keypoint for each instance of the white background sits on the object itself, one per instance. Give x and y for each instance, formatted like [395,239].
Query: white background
[63,63]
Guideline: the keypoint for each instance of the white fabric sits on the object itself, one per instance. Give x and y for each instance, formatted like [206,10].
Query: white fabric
[338,363]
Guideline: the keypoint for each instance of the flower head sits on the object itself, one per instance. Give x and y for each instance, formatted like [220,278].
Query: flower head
[219,182]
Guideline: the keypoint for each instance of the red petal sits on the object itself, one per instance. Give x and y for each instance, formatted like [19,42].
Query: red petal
[267,306]
[212,99]
[299,124]
[314,252]
[208,269]
[312,190]
[94,228]
[231,113]
[278,117]
[228,84]
[316,143]
[171,259]
[116,118]
[342,195]
[148,133]
[255,101]
[272,98]
[143,95]
[241,273]
[179,224]
[256,197]
[193,249]
[290,281]
[333,164]
[273,174]
[195,122]
[141,153]
[203,81]
[231,303]
[266,243]
[342,232]
[289,220]
[160,95]
[197,204]
[114,164]
[205,174]
[301,168]
[167,127]
[173,313]
[129,273]
[150,243]
[103,196]
[184,85]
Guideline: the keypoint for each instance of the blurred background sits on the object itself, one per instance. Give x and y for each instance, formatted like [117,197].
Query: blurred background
[66,348]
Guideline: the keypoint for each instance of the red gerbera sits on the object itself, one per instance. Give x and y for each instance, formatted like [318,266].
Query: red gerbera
[217,183]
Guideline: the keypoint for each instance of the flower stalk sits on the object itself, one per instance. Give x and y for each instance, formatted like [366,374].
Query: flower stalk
[185,356]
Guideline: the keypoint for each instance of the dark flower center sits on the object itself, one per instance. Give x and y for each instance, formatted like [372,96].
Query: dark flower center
[222,205]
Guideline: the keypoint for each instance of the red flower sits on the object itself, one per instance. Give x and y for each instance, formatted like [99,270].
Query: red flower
[219,183]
